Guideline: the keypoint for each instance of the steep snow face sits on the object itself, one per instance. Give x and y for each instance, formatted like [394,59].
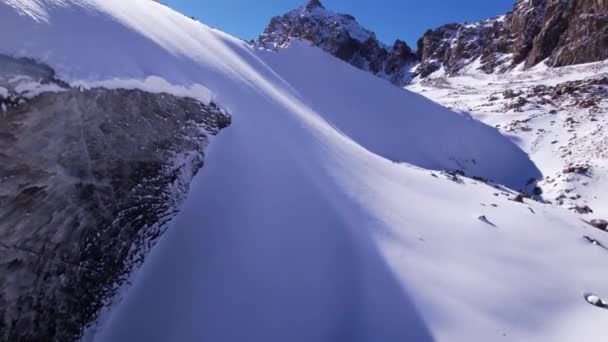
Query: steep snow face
[557,115]
[313,220]
[341,36]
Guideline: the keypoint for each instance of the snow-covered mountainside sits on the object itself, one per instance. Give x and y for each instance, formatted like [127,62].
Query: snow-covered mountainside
[558,32]
[483,67]
[557,115]
[341,36]
[319,215]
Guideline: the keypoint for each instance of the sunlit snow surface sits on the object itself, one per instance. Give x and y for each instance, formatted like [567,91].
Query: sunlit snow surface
[555,129]
[313,219]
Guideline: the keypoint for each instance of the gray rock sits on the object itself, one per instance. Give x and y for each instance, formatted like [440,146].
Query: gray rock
[88,182]
[561,32]
[599,224]
[596,301]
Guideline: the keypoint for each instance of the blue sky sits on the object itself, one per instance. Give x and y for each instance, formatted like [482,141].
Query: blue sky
[390,19]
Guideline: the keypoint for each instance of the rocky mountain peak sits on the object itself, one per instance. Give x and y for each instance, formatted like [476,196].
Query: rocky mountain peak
[556,32]
[312,4]
[342,36]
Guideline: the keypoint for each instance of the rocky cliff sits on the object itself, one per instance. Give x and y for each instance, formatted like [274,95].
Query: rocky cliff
[89,179]
[556,31]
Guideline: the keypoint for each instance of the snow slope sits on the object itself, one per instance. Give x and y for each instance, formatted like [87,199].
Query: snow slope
[313,219]
[556,115]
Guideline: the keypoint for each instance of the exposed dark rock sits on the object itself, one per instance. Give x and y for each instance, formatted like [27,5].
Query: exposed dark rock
[581,169]
[510,94]
[561,32]
[89,180]
[582,209]
[594,242]
[519,198]
[596,301]
[588,93]
[586,37]
[599,224]
[484,219]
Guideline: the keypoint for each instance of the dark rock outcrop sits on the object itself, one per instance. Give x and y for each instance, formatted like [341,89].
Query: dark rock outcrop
[341,36]
[560,32]
[89,180]
[599,224]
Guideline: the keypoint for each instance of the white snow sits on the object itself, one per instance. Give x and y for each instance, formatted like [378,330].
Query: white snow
[313,219]
[151,84]
[542,130]
[29,89]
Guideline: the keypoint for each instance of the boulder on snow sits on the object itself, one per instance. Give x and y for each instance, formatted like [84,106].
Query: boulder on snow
[484,219]
[599,224]
[582,209]
[581,169]
[596,301]
[519,198]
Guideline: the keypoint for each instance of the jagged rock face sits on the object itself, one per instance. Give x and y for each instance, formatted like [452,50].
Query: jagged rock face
[454,46]
[586,37]
[89,179]
[341,36]
[561,32]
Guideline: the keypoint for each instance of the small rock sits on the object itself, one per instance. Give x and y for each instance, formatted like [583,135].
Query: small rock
[584,209]
[484,219]
[599,224]
[510,93]
[581,169]
[596,301]
[519,198]
[593,241]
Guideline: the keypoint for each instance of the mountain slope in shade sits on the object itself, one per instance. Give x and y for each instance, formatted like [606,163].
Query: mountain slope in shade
[316,216]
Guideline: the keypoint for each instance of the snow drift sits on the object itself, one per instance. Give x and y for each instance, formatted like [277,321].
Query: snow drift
[313,219]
